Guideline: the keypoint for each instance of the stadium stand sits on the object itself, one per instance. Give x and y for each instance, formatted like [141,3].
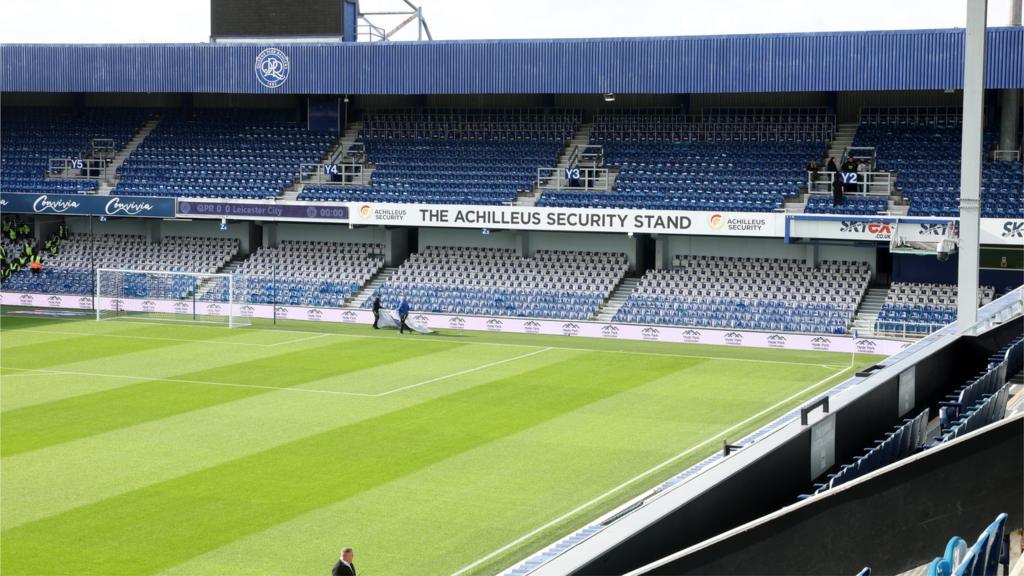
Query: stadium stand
[725,160]
[32,136]
[71,271]
[221,153]
[497,282]
[454,157]
[980,401]
[922,145]
[749,293]
[982,559]
[915,308]
[308,273]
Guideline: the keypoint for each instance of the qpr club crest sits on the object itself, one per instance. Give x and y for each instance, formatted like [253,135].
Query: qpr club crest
[272,67]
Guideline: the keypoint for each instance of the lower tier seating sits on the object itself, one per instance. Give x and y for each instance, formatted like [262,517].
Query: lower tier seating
[497,282]
[308,273]
[868,205]
[913,308]
[749,293]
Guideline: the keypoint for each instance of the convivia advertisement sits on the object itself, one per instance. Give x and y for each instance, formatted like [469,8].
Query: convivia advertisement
[87,205]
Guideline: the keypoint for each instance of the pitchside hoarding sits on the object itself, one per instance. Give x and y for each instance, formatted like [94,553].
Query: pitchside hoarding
[670,334]
[994,231]
[87,205]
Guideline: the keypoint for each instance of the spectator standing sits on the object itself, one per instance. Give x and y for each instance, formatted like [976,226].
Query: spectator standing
[812,174]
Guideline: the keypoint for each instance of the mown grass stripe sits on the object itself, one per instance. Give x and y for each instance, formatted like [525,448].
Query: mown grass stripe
[42,425]
[167,523]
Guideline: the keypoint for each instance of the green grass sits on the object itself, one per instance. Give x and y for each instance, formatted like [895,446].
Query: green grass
[133,448]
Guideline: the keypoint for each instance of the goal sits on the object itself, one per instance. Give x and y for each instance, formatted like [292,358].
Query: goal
[168,296]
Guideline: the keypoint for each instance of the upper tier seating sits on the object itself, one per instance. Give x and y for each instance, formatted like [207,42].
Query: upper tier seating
[726,160]
[32,136]
[924,149]
[749,293]
[71,270]
[223,154]
[453,157]
[913,308]
[497,282]
[308,273]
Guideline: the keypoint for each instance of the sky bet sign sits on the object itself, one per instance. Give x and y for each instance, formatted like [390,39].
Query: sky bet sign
[87,205]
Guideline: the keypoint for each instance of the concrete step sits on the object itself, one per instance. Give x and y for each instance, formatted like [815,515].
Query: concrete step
[867,312]
[370,287]
[123,154]
[618,297]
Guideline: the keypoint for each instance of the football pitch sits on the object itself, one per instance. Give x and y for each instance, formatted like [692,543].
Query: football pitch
[132,448]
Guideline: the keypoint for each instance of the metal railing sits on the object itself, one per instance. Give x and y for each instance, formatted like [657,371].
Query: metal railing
[866,154]
[595,179]
[102,148]
[342,174]
[77,168]
[868,183]
[1006,155]
[907,329]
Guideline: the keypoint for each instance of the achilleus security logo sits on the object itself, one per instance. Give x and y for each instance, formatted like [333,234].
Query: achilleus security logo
[716,221]
[272,68]
[531,327]
[365,211]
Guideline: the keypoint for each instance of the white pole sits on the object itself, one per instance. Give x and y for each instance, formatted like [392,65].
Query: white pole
[970,163]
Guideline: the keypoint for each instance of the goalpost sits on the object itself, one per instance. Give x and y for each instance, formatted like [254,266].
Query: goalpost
[168,297]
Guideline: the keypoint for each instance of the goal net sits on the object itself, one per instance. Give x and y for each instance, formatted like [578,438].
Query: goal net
[168,296]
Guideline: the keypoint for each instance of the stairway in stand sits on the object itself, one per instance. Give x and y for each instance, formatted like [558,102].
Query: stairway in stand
[108,184]
[867,312]
[608,310]
[580,138]
[370,287]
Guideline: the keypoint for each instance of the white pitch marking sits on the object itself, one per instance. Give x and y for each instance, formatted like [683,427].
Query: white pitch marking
[516,344]
[640,476]
[467,371]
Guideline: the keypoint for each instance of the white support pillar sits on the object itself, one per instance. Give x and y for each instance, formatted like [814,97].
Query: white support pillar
[970,162]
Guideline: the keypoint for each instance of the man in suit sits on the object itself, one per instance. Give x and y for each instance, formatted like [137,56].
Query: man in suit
[403,313]
[345,565]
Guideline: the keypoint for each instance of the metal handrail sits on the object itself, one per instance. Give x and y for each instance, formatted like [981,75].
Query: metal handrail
[77,168]
[820,182]
[574,178]
[341,174]
[1006,155]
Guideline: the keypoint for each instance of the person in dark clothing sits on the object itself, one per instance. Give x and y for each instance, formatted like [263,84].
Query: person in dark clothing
[831,166]
[850,167]
[403,313]
[376,311]
[837,188]
[345,565]
[812,172]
